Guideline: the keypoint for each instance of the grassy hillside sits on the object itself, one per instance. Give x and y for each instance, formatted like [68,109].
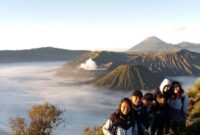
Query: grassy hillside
[193,124]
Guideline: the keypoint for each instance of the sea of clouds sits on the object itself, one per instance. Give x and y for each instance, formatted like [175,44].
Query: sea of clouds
[25,84]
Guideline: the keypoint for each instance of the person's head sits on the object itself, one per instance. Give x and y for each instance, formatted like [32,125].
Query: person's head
[167,89]
[136,97]
[177,89]
[148,99]
[125,106]
[160,99]
[166,83]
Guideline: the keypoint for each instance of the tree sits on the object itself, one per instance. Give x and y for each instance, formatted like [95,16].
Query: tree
[18,126]
[44,119]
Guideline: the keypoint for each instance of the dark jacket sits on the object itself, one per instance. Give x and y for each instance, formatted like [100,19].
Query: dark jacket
[120,124]
[149,116]
[161,112]
[141,118]
[121,120]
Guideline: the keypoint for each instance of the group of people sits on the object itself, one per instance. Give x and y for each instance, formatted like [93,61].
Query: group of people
[164,111]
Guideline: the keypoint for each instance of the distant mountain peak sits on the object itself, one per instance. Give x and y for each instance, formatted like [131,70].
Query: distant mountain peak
[153,38]
[155,44]
[152,44]
[188,45]
[185,42]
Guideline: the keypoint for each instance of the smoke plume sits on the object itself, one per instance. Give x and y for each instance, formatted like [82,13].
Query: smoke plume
[89,65]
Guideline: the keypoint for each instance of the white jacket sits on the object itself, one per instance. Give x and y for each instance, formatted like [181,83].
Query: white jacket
[119,130]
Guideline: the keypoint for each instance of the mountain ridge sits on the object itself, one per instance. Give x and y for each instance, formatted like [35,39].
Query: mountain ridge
[153,43]
[39,54]
[169,63]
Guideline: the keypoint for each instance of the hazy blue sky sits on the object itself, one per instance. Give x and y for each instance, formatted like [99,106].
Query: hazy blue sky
[96,24]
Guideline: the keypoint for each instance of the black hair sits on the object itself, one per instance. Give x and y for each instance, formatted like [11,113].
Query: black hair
[167,86]
[175,84]
[160,96]
[148,97]
[128,101]
[137,93]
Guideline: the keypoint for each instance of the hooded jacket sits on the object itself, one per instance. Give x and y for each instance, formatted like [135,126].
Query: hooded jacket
[164,83]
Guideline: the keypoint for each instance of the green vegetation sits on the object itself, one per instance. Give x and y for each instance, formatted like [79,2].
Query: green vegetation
[193,123]
[43,120]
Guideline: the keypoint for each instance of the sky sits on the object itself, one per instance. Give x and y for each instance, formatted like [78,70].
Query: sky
[96,24]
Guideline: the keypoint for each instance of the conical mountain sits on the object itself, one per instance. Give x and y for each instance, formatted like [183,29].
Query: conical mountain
[153,44]
[130,77]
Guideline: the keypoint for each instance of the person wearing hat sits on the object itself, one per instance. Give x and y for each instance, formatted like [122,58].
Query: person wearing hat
[138,111]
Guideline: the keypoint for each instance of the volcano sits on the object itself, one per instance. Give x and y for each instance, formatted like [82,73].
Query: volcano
[130,77]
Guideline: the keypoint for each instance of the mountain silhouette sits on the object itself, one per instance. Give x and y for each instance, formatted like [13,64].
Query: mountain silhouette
[39,54]
[153,44]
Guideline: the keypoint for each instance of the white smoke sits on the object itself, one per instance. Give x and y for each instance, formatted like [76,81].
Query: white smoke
[89,65]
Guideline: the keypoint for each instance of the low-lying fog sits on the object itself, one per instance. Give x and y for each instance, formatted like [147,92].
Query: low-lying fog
[25,84]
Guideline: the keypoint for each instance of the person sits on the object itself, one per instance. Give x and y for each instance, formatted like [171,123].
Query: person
[179,108]
[121,122]
[165,82]
[149,109]
[164,88]
[160,112]
[138,111]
